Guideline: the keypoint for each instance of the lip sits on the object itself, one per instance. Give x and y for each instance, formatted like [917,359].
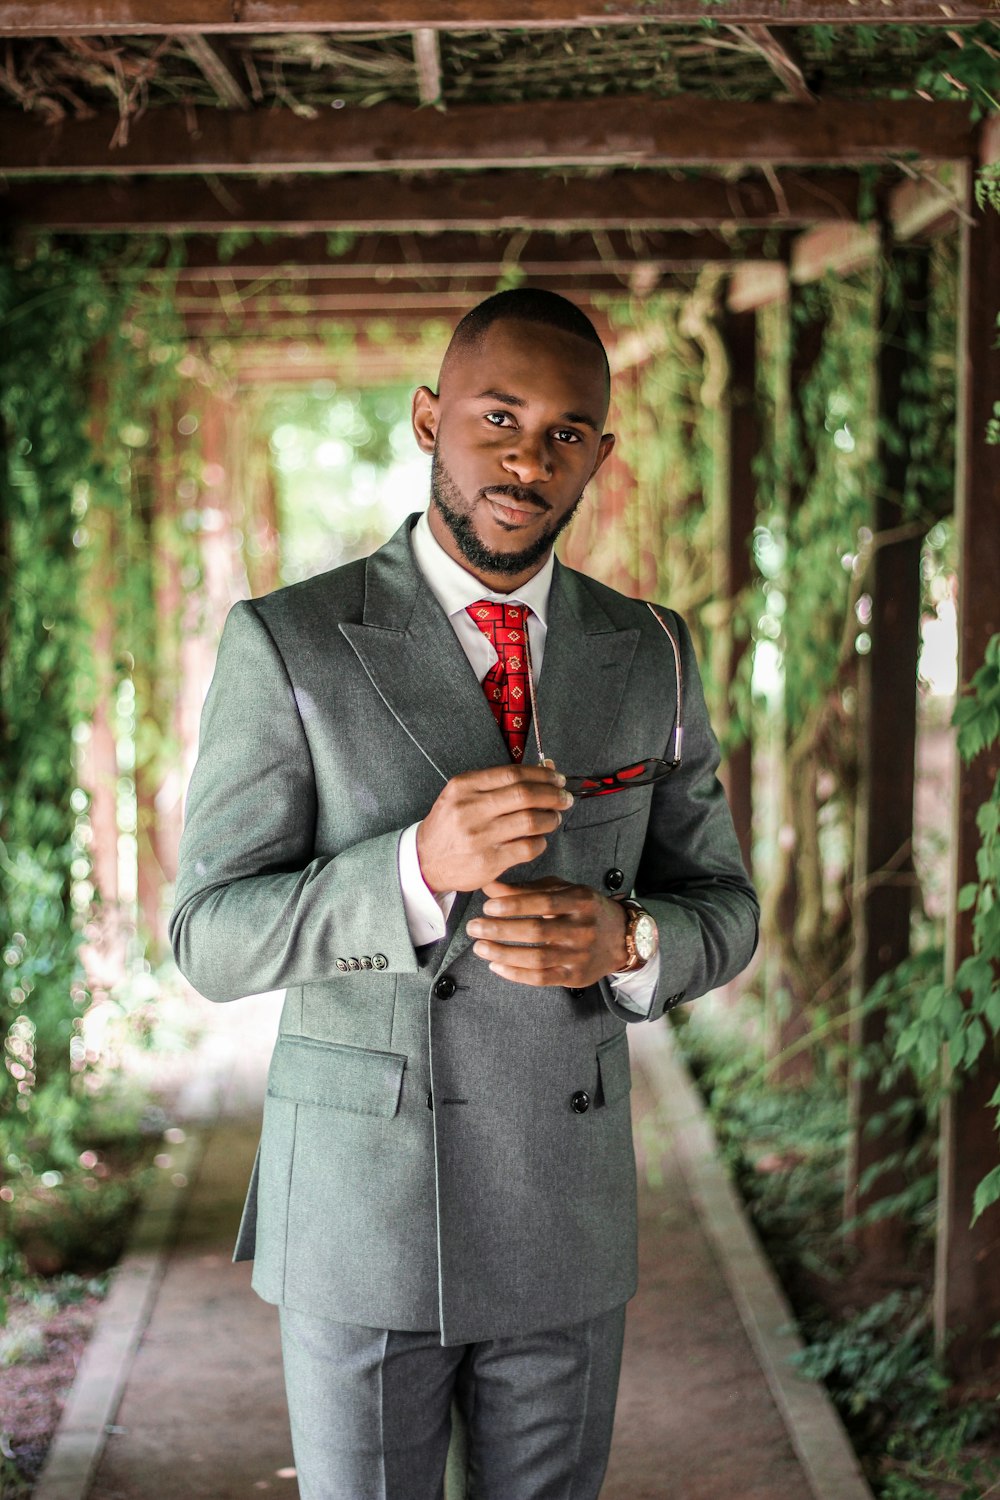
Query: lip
[514,512]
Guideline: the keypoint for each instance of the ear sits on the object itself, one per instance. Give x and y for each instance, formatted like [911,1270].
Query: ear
[426,407]
[604,447]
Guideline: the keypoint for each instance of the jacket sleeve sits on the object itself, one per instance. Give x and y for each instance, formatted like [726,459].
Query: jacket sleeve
[691,877]
[256,908]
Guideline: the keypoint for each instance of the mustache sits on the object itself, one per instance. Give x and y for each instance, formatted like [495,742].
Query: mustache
[516,492]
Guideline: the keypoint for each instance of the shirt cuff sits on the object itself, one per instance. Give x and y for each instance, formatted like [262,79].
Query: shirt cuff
[635,988]
[426,914]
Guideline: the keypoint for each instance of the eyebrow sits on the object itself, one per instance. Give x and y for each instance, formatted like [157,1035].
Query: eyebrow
[507,399]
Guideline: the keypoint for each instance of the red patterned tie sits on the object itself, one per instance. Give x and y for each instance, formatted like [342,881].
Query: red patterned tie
[506,683]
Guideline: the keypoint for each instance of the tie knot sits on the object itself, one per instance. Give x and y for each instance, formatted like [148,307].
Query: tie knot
[503,624]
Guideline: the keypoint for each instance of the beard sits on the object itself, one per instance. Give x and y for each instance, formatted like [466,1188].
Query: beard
[456,513]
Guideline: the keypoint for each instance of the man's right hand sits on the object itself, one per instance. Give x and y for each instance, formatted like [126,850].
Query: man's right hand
[484,822]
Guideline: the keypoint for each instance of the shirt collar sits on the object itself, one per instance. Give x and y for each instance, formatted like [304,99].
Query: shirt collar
[455,588]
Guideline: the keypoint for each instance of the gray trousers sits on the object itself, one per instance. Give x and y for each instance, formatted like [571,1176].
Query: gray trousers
[371,1410]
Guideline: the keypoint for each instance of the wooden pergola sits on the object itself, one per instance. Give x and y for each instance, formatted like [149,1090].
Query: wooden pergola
[159,115]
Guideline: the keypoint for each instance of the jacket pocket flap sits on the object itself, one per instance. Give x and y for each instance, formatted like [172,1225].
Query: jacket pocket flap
[339,1077]
[614,1068]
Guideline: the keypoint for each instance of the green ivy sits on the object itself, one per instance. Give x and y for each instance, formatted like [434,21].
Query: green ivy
[72,328]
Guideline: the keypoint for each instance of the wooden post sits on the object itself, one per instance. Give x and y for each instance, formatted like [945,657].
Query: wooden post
[787,1022]
[967,1287]
[740,333]
[887,745]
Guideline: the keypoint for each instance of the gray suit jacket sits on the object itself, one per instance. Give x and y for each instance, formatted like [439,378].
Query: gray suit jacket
[338,710]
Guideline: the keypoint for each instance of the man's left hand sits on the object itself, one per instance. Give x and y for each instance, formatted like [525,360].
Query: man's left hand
[564,934]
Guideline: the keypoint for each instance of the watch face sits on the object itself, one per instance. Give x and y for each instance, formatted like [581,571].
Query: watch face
[645,936]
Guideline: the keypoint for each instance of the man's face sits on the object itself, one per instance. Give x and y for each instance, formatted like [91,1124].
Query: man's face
[515,433]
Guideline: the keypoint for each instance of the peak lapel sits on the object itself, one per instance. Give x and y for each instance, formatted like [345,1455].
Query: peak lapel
[415,663]
[586,665]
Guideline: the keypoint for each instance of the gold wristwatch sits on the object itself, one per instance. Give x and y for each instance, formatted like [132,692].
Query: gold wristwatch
[642,938]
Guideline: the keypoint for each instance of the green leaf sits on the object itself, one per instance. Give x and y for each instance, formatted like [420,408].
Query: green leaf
[987,1192]
[975,1041]
[967,897]
[991,1009]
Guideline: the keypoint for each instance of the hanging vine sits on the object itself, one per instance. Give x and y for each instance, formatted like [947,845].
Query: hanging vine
[70,330]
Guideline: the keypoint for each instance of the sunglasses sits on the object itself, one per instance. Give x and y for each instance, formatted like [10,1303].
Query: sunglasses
[640,772]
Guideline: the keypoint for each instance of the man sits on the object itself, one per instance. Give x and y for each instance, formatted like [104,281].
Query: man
[382,821]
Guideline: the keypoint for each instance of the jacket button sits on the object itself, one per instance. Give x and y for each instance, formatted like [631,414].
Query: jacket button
[580,1102]
[430,1101]
[445,987]
[614,880]
[570,990]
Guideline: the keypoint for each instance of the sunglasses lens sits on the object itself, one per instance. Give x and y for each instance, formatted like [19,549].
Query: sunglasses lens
[603,783]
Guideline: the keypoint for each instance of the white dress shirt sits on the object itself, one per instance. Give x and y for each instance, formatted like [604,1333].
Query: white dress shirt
[455,589]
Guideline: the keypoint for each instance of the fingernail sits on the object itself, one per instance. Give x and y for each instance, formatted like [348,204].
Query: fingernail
[567,799]
[560,779]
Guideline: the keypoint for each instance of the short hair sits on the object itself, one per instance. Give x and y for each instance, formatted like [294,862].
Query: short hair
[527,304]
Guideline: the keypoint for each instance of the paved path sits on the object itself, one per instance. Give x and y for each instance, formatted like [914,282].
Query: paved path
[203,1412]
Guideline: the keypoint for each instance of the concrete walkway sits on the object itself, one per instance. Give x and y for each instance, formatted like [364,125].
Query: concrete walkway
[699,1417]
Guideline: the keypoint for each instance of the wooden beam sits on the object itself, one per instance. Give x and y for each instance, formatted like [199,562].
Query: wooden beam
[388,259]
[967,1286]
[752,286]
[210,59]
[841,248]
[780,56]
[608,132]
[170,17]
[427,56]
[311,298]
[639,199]
[930,203]
[926,204]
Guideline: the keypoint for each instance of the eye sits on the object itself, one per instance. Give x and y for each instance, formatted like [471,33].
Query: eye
[567,435]
[498,418]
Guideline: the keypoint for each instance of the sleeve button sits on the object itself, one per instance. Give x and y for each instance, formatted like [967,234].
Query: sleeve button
[379,961]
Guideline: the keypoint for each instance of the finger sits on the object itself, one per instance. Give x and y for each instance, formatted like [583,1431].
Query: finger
[533,931]
[565,901]
[506,888]
[521,802]
[528,955]
[539,978]
[519,852]
[494,778]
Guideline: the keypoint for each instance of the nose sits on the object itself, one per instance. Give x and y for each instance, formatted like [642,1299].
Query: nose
[529,460]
